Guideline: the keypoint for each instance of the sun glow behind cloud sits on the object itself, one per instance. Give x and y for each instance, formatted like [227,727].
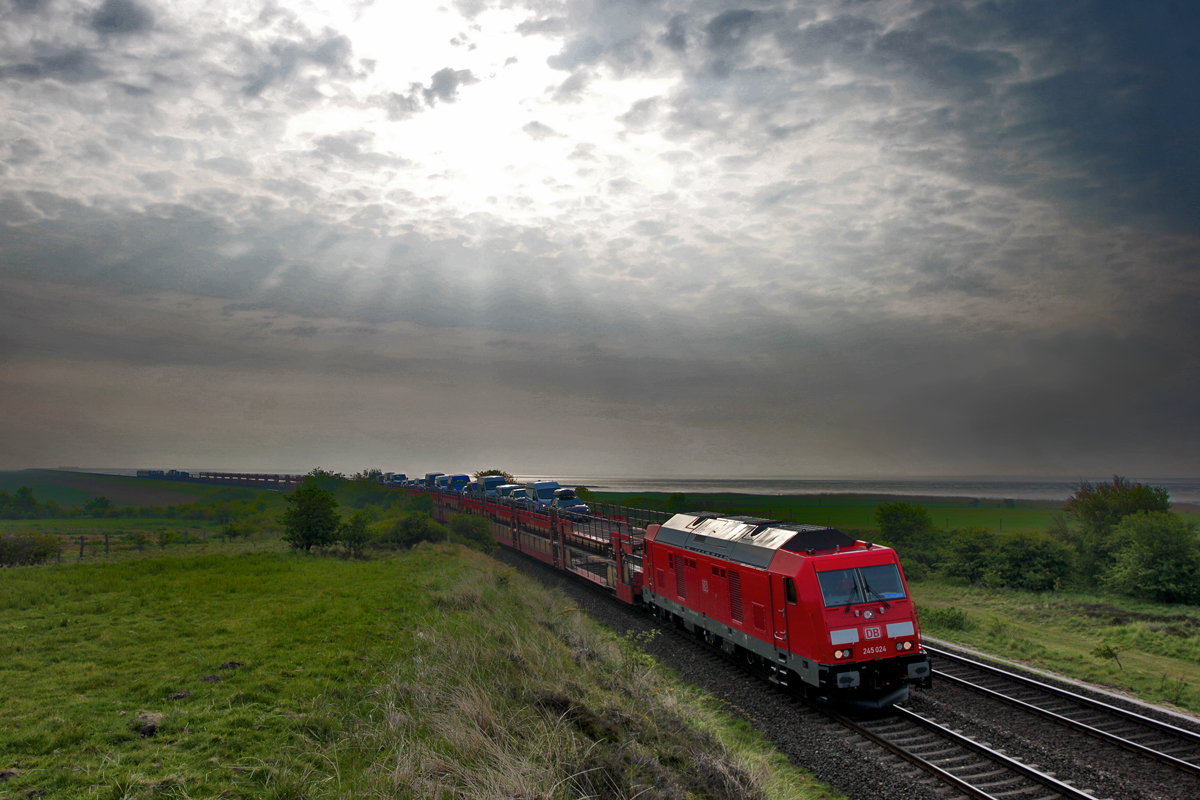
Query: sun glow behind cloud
[797,226]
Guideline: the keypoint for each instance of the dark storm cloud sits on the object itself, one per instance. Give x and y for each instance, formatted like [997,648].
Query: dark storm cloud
[73,65]
[120,17]
[732,29]
[675,36]
[1093,88]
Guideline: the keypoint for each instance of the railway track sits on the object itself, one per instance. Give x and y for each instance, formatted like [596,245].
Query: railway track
[968,767]
[1147,737]
[971,768]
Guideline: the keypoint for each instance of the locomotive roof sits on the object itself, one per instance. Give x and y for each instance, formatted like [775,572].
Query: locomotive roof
[749,540]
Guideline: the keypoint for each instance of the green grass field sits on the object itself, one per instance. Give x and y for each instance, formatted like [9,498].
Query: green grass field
[75,488]
[431,674]
[857,513]
[1157,645]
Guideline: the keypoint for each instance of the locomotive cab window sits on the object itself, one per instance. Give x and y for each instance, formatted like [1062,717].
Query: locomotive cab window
[845,587]
[882,582]
[839,587]
[789,586]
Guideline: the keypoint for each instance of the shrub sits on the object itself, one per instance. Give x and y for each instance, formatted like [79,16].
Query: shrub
[971,554]
[28,549]
[473,531]
[1099,509]
[354,533]
[901,523]
[1156,559]
[947,619]
[412,530]
[1032,561]
[311,518]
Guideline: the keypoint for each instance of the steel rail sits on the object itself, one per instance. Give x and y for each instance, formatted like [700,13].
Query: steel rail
[1064,790]
[1054,691]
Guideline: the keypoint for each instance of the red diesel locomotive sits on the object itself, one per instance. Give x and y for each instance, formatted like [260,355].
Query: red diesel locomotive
[820,611]
[823,612]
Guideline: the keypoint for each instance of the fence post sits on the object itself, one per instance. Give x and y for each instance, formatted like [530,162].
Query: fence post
[81,545]
[106,544]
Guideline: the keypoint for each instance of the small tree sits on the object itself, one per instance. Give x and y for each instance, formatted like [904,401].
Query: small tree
[1157,558]
[508,476]
[164,538]
[1032,561]
[971,554]
[473,531]
[230,530]
[141,539]
[1099,509]
[421,504]
[903,523]
[1108,652]
[311,518]
[97,506]
[354,534]
[585,494]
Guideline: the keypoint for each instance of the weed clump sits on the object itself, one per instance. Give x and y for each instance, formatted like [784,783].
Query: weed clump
[947,619]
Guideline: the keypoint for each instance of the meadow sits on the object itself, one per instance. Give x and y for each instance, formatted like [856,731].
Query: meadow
[75,488]
[1151,650]
[435,673]
[857,513]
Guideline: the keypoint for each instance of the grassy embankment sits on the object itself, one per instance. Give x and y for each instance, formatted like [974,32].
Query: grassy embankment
[1157,645]
[432,674]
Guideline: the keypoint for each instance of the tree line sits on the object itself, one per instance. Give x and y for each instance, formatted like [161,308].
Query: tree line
[1116,536]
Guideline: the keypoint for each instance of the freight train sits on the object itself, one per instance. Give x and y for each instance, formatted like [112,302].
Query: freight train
[813,608]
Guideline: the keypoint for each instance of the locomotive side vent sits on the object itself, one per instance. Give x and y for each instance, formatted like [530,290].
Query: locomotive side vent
[680,583]
[735,595]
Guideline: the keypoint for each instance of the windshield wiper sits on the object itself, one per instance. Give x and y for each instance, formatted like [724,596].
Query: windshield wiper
[867,586]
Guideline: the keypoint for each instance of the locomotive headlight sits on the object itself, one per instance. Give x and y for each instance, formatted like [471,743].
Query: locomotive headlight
[842,653]
[903,646]
[837,653]
[908,645]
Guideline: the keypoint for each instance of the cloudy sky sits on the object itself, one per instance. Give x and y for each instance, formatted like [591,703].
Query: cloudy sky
[636,237]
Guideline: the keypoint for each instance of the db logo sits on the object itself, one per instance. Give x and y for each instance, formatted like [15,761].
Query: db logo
[872,633]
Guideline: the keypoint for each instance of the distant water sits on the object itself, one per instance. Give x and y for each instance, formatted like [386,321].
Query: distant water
[1182,490]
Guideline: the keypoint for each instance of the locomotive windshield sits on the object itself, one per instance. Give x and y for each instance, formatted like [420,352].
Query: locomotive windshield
[846,587]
